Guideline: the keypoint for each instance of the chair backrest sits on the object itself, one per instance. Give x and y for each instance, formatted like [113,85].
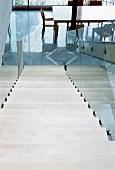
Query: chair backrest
[95,3]
[80,2]
[43,15]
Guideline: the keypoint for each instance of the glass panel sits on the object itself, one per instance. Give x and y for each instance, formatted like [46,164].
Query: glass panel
[48,2]
[20,2]
[39,2]
[8,76]
[8,71]
[93,73]
[109,2]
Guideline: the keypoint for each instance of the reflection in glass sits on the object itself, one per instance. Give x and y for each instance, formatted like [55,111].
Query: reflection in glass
[40,2]
[103,32]
[94,72]
[20,2]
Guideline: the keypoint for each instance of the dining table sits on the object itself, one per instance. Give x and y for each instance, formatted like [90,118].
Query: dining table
[85,14]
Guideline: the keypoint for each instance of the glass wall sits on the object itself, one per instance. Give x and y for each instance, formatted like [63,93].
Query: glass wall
[20,2]
[47,2]
[36,3]
[109,2]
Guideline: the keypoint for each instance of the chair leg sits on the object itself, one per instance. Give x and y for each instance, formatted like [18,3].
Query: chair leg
[56,33]
[57,30]
[43,31]
[67,26]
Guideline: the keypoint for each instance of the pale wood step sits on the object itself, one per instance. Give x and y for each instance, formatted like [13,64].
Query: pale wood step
[41,80]
[44,84]
[61,159]
[90,75]
[29,166]
[54,97]
[54,148]
[23,138]
[89,78]
[92,85]
[42,73]
[62,130]
[21,141]
[30,134]
[98,93]
[84,67]
[86,72]
[96,102]
[50,122]
[47,106]
[6,71]
[101,99]
[43,67]
[47,75]
[108,90]
[110,145]
[9,78]
[102,80]
[64,150]
[51,118]
[1,99]
[43,90]
[3,91]
[46,112]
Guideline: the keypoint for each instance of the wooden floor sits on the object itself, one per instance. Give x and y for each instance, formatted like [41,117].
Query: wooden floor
[45,124]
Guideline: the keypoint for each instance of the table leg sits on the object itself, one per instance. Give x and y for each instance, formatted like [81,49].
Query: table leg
[56,30]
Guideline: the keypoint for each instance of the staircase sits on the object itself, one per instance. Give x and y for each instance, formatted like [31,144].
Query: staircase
[46,125]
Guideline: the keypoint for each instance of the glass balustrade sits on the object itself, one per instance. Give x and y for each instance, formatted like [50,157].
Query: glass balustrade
[12,65]
[93,71]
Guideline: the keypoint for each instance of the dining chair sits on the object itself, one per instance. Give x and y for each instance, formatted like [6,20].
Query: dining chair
[103,32]
[95,3]
[45,24]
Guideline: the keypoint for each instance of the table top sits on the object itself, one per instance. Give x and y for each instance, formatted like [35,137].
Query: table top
[84,13]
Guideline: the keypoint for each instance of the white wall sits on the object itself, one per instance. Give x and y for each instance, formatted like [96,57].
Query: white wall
[5,12]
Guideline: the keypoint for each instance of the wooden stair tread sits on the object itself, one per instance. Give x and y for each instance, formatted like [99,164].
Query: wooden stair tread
[46,112]
[30,166]
[47,106]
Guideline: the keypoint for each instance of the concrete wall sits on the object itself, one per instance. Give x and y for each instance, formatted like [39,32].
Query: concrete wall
[5,12]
